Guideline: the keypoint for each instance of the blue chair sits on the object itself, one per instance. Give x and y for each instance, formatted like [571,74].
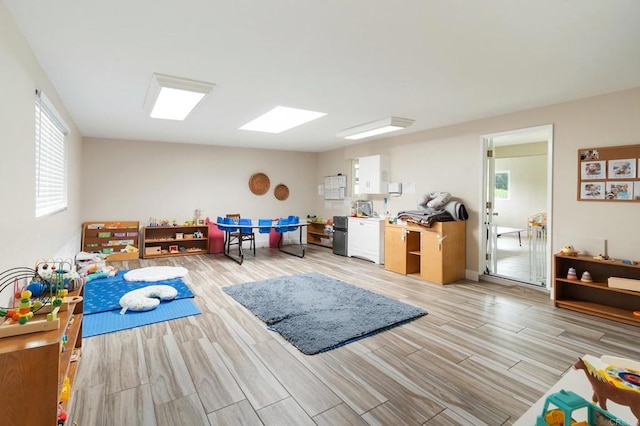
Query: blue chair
[264,226]
[293,220]
[231,232]
[246,234]
[282,228]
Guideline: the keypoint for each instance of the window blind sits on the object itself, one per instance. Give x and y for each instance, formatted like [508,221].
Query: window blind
[51,179]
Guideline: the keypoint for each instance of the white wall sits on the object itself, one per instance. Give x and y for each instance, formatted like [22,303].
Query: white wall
[25,239]
[527,192]
[136,180]
[450,159]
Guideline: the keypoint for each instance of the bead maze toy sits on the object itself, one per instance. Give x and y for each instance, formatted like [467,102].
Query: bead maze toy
[38,295]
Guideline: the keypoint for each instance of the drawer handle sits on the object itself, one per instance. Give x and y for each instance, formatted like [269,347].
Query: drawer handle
[440,239]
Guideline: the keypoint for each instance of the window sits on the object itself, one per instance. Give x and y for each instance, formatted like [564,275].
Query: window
[502,185]
[356,176]
[51,164]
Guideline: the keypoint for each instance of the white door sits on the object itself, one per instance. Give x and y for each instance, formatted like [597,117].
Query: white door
[523,159]
[490,258]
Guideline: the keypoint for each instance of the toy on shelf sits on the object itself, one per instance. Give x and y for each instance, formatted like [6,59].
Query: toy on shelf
[568,251]
[21,317]
[571,274]
[586,277]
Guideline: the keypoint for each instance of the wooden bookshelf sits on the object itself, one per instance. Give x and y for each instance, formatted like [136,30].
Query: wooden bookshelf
[596,298]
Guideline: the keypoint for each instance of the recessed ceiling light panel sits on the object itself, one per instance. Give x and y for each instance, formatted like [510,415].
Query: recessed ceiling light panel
[280,119]
[173,98]
[386,125]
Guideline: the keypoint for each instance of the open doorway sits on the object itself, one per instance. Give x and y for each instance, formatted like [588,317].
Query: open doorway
[517,202]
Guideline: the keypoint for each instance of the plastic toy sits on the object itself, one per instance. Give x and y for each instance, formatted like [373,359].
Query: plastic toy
[568,402]
[62,415]
[568,251]
[618,384]
[586,277]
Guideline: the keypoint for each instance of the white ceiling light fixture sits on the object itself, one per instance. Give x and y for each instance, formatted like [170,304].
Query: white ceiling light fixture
[280,119]
[378,127]
[173,98]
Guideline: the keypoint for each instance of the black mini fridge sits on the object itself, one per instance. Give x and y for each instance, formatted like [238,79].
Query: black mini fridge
[340,224]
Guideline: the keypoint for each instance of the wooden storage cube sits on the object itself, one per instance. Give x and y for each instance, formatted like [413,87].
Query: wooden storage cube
[624,283]
[153,250]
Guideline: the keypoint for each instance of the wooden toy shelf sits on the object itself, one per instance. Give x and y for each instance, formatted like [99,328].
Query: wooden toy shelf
[317,236]
[110,237]
[33,367]
[596,298]
[158,241]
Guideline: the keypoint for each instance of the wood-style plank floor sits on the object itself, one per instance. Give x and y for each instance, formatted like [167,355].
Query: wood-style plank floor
[483,355]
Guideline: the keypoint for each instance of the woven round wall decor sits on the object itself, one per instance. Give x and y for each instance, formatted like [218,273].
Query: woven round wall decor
[281,192]
[259,183]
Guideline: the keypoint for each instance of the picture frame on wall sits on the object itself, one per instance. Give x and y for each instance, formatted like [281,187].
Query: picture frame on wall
[593,170]
[592,190]
[589,154]
[636,190]
[619,190]
[622,169]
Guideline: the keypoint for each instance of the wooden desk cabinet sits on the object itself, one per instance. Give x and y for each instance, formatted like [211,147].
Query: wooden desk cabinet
[435,254]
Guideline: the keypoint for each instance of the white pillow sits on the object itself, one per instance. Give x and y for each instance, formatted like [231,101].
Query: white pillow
[146,298]
[156,273]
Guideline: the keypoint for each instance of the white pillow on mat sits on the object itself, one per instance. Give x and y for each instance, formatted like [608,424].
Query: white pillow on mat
[146,298]
[156,273]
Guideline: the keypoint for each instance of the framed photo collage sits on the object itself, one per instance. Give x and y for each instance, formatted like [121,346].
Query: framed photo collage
[609,174]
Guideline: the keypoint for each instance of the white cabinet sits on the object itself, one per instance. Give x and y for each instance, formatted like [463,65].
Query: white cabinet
[365,239]
[373,174]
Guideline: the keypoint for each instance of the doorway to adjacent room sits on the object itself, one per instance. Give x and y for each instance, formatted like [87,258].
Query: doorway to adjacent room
[517,203]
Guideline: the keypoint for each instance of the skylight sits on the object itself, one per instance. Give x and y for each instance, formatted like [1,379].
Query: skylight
[280,119]
[173,98]
[175,104]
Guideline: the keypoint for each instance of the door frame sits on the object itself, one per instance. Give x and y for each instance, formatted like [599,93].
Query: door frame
[483,230]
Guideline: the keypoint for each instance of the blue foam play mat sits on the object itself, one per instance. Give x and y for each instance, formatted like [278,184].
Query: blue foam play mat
[103,294]
[110,321]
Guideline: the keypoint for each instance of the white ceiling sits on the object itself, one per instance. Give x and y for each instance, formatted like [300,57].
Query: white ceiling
[438,62]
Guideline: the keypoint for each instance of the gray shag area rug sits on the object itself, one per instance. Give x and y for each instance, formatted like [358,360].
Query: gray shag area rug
[317,313]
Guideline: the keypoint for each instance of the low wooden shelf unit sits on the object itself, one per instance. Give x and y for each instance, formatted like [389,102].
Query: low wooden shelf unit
[164,241]
[316,234]
[596,298]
